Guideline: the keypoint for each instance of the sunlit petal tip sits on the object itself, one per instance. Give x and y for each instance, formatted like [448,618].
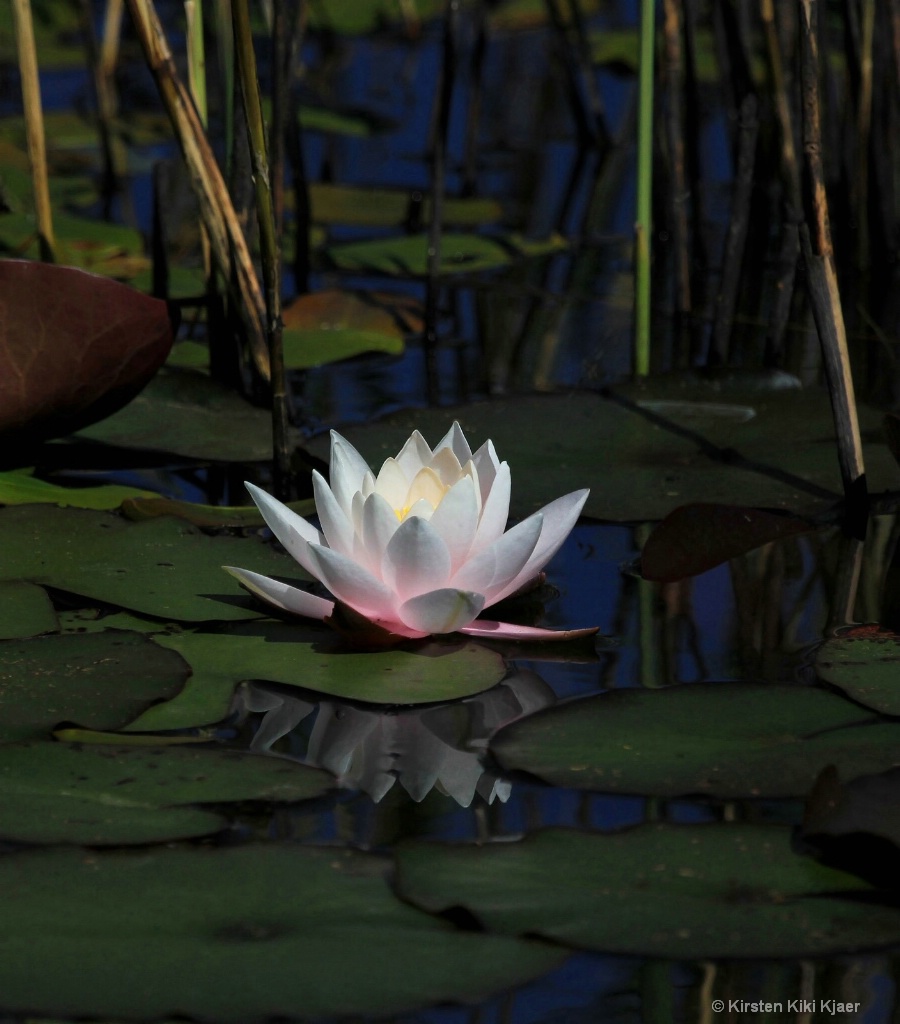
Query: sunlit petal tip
[294,532]
[282,595]
[487,629]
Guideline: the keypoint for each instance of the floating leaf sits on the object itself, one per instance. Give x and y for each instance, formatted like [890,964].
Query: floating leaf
[207,516]
[108,795]
[675,891]
[112,250]
[460,254]
[864,665]
[25,611]
[19,487]
[242,934]
[73,347]
[162,567]
[695,538]
[101,680]
[311,656]
[638,467]
[189,414]
[727,740]
[382,207]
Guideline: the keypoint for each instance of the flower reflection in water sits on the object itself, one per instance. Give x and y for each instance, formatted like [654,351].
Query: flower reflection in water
[369,749]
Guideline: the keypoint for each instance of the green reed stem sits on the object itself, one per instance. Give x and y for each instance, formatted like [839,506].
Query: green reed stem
[268,241]
[644,193]
[196,53]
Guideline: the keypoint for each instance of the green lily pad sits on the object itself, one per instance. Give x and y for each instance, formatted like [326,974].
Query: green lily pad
[460,253]
[727,740]
[311,656]
[382,207]
[189,414]
[686,892]
[19,487]
[25,610]
[102,681]
[865,667]
[641,468]
[163,567]
[235,934]
[207,516]
[111,795]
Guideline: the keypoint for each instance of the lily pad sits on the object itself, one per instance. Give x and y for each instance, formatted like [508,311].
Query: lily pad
[686,892]
[235,934]
[109,795]
[102,681]
[138,509]
[865,666]
[728,740]
[74,347]
[19,487]
[640,468]
[460,253]
[382,207]
[25,610]
[189,414]
[162,567]
[312,657]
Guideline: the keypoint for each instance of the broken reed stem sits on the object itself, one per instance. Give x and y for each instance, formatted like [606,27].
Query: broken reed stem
[815,235]
[227,241]
[642,225]
[790,168]
[34,125]
[268,243]
[863,131]
[193,12]
[736,237]
[438,185]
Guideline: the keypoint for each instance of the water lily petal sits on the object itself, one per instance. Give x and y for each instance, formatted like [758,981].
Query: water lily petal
[456,520]
[347,470]
[414,455]
[282,595]
[425,484]
[494,511]
[379,524]
[559,518]
[504,560]
[416,560]
[294,532]
[336,525]
[368,484]
[487,464]
[392,483]
[422,508]
[456,441]
[447,466]
[352,583]
[441,611]
[488,629]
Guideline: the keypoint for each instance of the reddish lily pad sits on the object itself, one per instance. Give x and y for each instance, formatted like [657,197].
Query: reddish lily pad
[74,347]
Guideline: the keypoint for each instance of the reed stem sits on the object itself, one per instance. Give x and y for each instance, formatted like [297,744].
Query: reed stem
[642,226]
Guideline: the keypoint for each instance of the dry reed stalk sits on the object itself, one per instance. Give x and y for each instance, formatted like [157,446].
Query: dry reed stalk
[34,125]
[229,246]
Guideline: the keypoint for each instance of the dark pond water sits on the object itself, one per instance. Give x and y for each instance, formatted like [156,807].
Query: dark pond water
[425,776]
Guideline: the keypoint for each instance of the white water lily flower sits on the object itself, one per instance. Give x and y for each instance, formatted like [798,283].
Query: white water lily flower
[420,548]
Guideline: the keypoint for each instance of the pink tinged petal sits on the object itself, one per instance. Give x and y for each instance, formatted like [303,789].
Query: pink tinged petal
[494,511]
[490,630]
[559,518]
[282,595]
[441,611]
[447,467]
[456,441]
[392,484]
[416,560]
[414,455]
[488,465]
[294,532]
[456,520]
[336,525]
[353,584]
[347,470]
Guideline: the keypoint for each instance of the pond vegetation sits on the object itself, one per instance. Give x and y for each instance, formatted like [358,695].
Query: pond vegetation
[213,810]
